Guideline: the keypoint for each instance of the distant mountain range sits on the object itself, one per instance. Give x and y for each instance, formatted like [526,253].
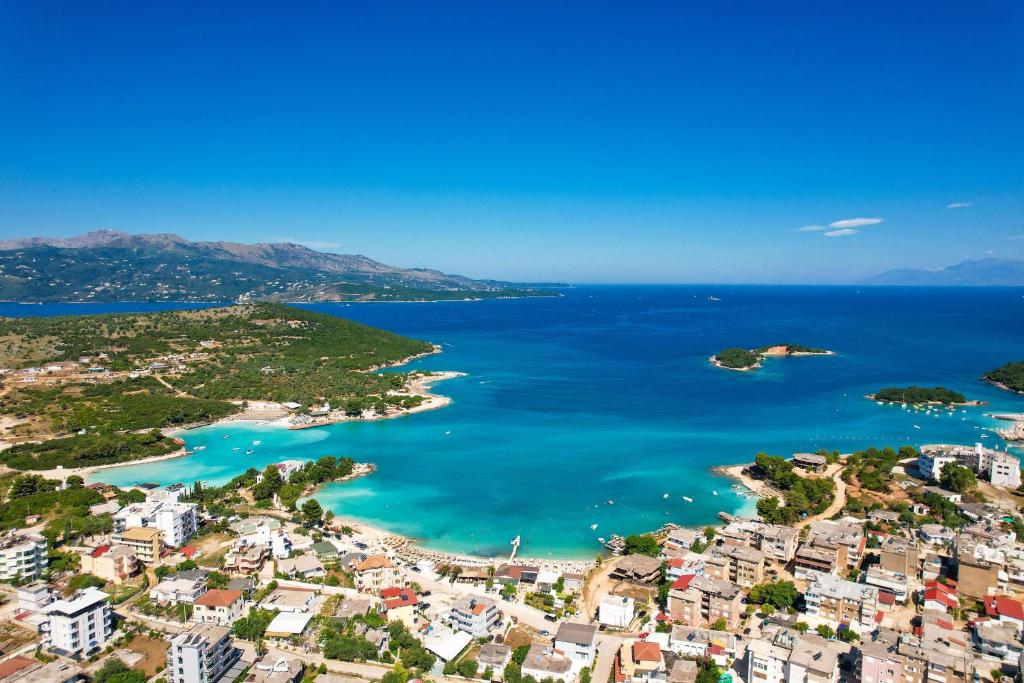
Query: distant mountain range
[110,265]
[982,272]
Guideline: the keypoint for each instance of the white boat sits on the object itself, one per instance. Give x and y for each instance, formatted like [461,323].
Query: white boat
[714,493]
[611,502]
[600,539]
[256,443]
[199,448]
[916,427]
[665,495]
[593,526]
[236,449]
[688,499]
[250,452]
[227,436]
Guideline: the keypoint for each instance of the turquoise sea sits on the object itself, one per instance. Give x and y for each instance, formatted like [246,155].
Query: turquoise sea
[605,393]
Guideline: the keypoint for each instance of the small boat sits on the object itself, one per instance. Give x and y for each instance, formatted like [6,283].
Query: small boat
[236,449]
[448,432]
[600,539]
[199,448]
[713,298]
[611,502]
[916,427]
[688,499]
[227,436]
[256,443]
[593,526]
[714,493]
[665,495]
[250,452]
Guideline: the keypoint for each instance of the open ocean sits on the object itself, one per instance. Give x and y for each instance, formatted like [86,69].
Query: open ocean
[606,394]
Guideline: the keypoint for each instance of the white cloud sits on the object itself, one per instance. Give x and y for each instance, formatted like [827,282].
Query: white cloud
[842,232]
[811,228]
[854,222]
[958,205]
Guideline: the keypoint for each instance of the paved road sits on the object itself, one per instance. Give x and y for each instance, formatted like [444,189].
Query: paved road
[367,670]
[838,503]
[606,648]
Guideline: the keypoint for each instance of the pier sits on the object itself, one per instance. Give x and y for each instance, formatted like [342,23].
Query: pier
[515,547]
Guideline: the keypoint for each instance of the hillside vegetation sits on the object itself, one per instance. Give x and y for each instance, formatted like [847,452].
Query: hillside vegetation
[1010,376]
[123,375]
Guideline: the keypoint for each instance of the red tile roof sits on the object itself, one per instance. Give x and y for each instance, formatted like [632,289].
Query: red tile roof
[646,652]
[886,598]
[15,664]
[189,550]
[675,562]
[942,597]
[398,597]
[100,550]
[216,597]
[662,617]
[1004,606]
[683,582]
[879,615]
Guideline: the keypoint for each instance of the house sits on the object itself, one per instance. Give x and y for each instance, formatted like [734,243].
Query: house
[34,597]
[830,597]
[78,625]
[400,605]
[885,516]
[275,669]
[939,597]
[115,564]
[888,582]
[899,555]
[174,590]
[22,556]
[446,644]
[812,462]
[325,550]
[545,662]
[375,573]
[287,600]
[203,654]
[353,606]
[681,539]
[146,543]
[639,661]
[999,640]
[573,581]
[577,641]
[219,606]
[1006,610]
[302,567]
[288,624]
[688,641]
[494,656]
[977,569]
[616,611]
[246,559]
[936,534]
[638,569]
[285,468]
[474,614]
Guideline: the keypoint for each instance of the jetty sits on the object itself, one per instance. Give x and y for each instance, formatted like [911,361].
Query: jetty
[515,547]
[1010,417]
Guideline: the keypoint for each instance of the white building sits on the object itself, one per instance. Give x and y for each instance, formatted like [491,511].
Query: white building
[1005,470]
[474,614]
[830,597]
[998,467]
[786,656]
[178,521]
[616,611]
[78,625]
[22,556]
[578,642]
[34,597]
[201,655]
[173,591]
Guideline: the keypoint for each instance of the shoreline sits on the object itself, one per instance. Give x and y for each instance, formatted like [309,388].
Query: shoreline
[964,404]
[770,352]
[760,488]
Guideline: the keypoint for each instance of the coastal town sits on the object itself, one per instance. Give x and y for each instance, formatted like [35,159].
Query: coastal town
[917,579]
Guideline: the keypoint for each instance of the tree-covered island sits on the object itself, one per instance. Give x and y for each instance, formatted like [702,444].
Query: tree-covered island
[921,395]
[1009,377]
[736,358]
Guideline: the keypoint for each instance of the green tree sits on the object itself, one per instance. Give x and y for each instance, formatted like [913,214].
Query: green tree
[467,668]
[957,478]
[780,594]
[642,544]
[269,484]
[825,631]
[312,511]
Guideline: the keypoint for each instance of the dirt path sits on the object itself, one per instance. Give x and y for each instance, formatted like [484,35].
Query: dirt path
[838,503]
[177,392]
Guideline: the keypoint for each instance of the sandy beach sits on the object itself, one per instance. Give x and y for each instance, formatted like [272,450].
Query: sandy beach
[737,472]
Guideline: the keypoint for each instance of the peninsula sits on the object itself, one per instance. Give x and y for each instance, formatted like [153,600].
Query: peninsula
[84,391]
[736,358]
[1009,377]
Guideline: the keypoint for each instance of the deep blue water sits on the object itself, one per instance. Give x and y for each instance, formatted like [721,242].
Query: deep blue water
[606,394]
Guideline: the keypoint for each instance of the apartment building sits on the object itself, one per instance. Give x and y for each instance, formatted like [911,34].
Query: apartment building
[22,556]
[836,535]
[899,555]
[203,654]
[375,573]
[810,561]
[78,625]
[977,569]
[998,467]
[474,614]
[175,590]
[577,641]
[688,641]
[830,597]
[178,521]
[145,542]
[699,600]
[891,657]
[783,655]
[736,563]
[111,563]
[777,542]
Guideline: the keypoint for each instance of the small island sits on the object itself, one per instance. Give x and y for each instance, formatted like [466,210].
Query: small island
[750,359]
[922,396]
[1009,377]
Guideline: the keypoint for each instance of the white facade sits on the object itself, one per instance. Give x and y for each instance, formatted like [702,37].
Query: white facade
[474,614]
[22,556]
[1005,470]
[200,655]
[78,625]
[178,521]
[175,591]
[615,611]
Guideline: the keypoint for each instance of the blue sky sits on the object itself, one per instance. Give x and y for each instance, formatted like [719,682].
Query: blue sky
[618,142]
